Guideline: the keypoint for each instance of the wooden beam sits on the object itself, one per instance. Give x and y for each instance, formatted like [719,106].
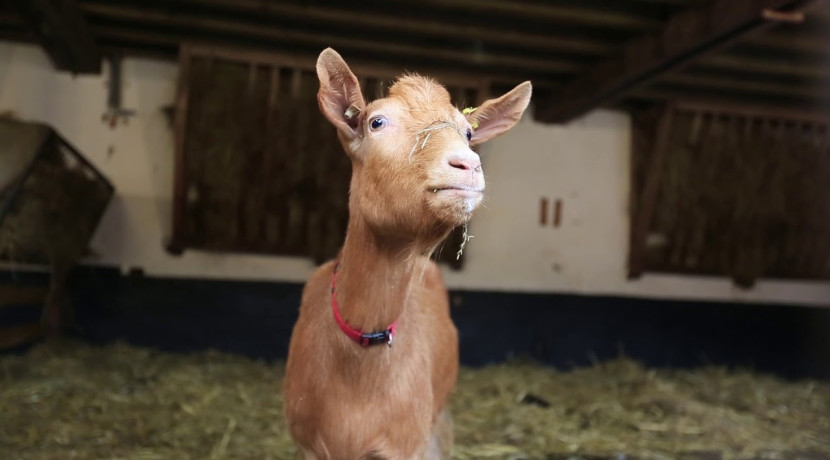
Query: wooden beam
[454,58]
[682,95]
[163,47]
[800,42]
[281,60]
[366,21]
[748,86]
[717,107]
[62,31]
[774,67]
[684,37]
[550,13]
[669,2]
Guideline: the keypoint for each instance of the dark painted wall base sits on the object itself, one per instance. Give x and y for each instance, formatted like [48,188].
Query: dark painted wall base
[255,319]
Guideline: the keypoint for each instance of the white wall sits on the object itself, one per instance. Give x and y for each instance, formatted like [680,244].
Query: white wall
[585,164]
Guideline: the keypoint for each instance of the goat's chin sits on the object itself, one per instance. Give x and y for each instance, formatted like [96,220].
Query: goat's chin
[454,209]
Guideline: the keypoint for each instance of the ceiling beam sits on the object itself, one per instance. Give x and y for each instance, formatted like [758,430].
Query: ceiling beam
[165,46]
[62,32]
[706,101]
[619,19]
[744,86]
[818,70]
[182,25]
[684,37]
[320,14]
[802,42]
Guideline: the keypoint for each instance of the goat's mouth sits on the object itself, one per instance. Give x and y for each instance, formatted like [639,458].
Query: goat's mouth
[458,189]
[454,204]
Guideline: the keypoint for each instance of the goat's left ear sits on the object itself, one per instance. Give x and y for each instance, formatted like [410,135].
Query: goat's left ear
[496,116]
[340,98]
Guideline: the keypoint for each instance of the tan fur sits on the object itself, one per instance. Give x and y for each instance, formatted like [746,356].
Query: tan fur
[344,401]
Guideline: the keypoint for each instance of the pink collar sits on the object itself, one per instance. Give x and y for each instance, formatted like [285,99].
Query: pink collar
[363,338]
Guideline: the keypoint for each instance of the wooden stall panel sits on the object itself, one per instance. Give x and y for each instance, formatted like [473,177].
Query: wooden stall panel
[258,168]
[738,192]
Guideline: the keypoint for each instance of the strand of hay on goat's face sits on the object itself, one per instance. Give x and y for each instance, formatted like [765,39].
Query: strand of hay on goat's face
[464,239]
[434,126]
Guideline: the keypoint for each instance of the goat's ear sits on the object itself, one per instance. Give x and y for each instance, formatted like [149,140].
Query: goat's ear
[339,97]
[496,116]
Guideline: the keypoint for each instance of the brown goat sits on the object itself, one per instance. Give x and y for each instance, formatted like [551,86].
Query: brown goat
[414,179]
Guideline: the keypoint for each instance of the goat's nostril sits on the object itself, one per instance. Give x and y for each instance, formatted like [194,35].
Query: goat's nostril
[459,164]
[465,164]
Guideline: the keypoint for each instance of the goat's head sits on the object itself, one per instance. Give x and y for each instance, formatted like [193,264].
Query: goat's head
[414,174]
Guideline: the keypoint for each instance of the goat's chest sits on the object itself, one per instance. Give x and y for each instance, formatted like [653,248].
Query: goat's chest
[387,410]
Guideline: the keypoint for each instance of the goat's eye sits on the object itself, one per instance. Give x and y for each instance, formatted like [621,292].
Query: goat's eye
[377,123]
[469,135]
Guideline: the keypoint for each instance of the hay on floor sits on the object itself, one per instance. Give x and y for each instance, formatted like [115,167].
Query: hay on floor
[123,402]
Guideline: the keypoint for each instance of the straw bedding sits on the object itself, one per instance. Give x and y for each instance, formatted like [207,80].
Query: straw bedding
[75,401]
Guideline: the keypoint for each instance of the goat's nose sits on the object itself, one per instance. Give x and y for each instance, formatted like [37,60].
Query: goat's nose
[466,162]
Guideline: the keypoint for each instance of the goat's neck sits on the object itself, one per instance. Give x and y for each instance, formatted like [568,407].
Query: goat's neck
[375,277]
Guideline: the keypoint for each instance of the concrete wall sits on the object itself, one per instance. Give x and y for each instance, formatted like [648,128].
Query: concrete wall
[584,164]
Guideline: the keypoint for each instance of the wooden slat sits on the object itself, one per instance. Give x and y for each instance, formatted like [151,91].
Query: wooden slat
[268,223]
[176,244]
[62,31]
[641,222]
[684,37]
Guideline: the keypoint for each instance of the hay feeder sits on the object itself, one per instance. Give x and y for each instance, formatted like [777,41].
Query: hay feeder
[51,200]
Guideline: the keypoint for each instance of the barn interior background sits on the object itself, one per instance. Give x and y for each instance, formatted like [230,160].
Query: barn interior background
[667,198]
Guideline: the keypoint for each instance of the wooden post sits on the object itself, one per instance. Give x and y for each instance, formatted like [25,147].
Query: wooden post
[176,245]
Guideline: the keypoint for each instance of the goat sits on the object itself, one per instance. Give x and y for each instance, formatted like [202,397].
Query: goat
[414,178]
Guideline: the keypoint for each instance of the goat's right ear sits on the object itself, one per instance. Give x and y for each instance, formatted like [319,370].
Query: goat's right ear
[339,97]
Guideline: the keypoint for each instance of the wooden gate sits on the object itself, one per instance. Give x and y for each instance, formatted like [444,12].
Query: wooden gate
[258,168]
[732,191]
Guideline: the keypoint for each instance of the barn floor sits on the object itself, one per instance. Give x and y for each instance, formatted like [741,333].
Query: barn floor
[120,402]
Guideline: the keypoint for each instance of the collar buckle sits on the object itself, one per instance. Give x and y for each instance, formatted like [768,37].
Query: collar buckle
[375,338]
